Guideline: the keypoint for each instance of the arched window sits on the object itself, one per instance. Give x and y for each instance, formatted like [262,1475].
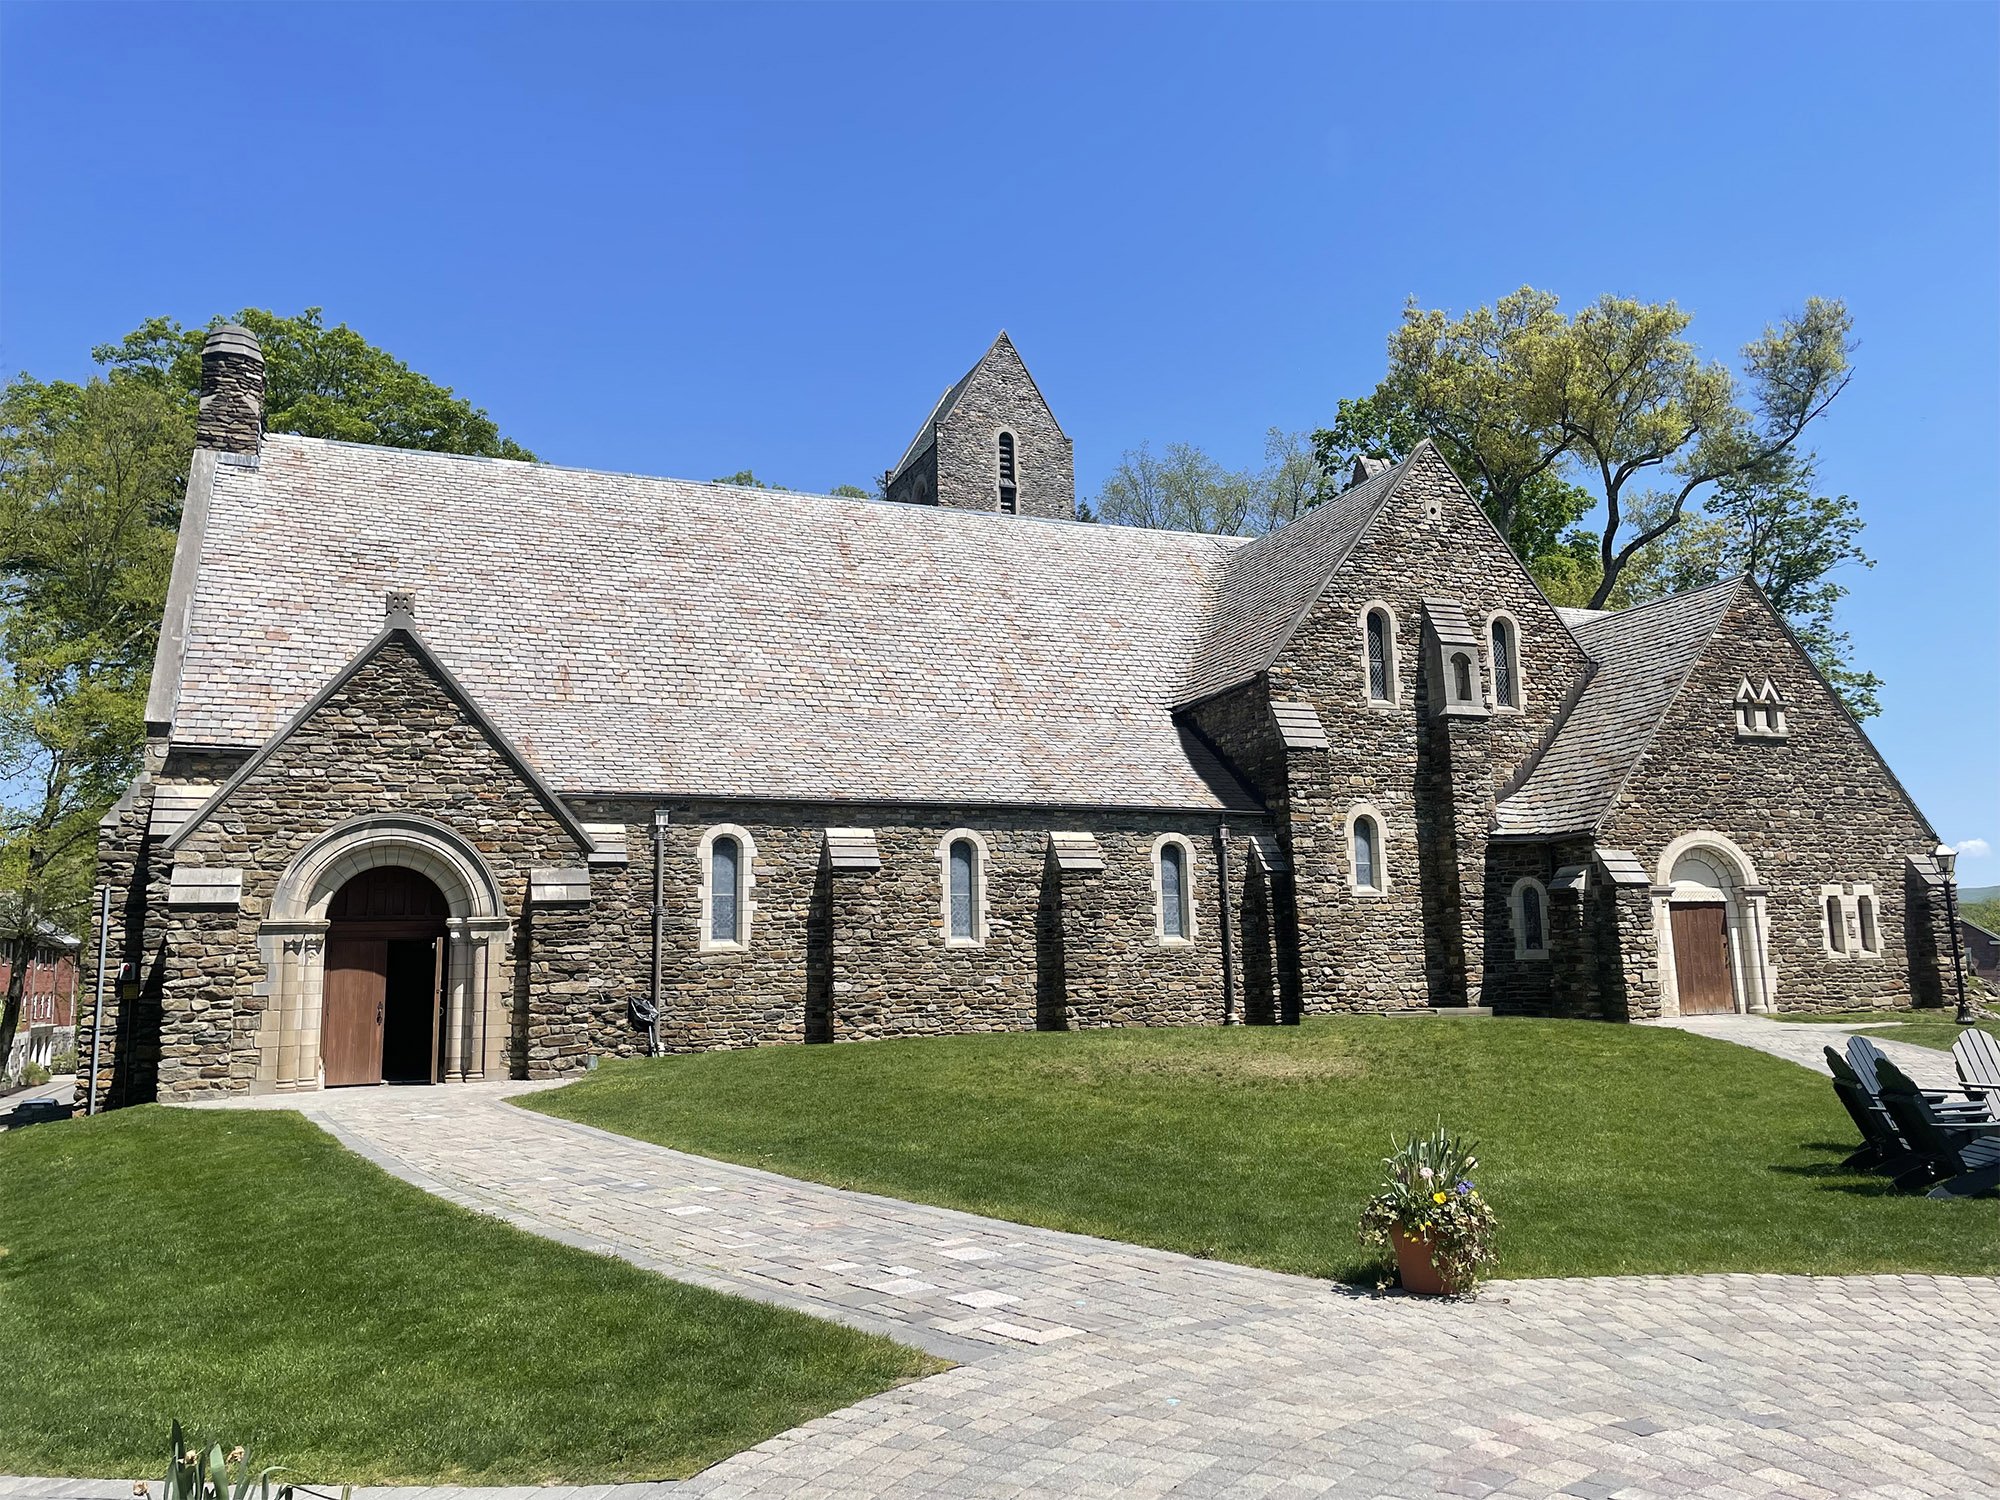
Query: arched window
[1531,907]
[1367,840]
[1506,694]
[1836,925]
[725,857]
[1009,490]
[962,862]
[1864,905]
[1381,652]
[1171,887]
[1461,677]
[728,875]
[964,878]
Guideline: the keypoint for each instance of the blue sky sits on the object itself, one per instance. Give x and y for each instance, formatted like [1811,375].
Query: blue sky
[686,240]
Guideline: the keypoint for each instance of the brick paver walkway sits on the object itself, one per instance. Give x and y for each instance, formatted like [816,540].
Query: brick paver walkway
[1803,1042]
[1090,1368]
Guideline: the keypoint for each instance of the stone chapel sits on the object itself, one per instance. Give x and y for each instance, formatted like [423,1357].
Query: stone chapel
[463,768]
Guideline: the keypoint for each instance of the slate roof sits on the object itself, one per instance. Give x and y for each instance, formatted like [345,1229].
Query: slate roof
[926,436]
[657,636]
[1642,657]
[1266,587]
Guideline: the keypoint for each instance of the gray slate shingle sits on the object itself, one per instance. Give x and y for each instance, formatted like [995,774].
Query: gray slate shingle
[652,635]
[1643,655]
[1266,587]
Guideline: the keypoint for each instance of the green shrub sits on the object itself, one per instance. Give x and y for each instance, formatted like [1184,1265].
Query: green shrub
[199,1473]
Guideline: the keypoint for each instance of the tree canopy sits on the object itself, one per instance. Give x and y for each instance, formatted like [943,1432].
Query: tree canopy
[1183,489]
[1694,472]
[1546,417]
[92,477]
[322,382]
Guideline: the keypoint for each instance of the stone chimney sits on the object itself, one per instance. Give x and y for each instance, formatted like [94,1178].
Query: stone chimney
[232,391]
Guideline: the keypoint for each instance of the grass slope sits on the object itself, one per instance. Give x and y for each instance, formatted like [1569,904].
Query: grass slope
[1605,1148]
[245,1274]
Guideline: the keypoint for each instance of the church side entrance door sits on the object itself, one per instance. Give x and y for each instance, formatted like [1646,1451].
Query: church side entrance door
[1701,959]
[357,990]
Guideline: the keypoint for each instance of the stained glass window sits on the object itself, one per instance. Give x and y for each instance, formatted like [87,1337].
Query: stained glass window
[725,858]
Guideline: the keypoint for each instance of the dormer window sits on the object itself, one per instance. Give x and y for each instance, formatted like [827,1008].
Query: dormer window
[1451,661]
[1010,502]
[1760,712]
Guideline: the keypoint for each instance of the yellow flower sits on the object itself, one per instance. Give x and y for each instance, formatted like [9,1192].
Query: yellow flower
[1437,1197]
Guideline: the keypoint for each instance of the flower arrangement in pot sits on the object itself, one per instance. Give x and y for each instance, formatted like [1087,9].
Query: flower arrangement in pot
[1433,1217]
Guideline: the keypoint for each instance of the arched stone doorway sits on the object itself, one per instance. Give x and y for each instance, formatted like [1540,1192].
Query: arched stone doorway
[1709,917]
[382,1019]
[469,962]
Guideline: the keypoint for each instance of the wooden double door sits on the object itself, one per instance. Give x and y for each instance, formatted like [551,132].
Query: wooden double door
[381,1009]
[1701,958]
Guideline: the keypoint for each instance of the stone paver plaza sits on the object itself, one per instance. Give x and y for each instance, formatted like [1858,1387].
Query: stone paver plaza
[1091,1368]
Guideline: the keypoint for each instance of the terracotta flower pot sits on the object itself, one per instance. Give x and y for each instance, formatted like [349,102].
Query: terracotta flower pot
[1414,1266]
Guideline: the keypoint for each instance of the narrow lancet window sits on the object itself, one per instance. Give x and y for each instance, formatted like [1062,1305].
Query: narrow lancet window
[964,889]
[725,861]
[1461,676]
[1173,891]
[1379,661]
[1503,665]
[1531,919]
[1009,488]
[1367,854]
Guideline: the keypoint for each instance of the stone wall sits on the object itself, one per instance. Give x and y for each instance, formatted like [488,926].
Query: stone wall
[1815,808]
[1399,948]
[392,739]
[917,485]
[128,1052]
[852,954]
[1001,394]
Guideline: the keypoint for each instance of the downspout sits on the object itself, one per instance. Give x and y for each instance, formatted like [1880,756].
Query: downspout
[1222,921]
[659,927]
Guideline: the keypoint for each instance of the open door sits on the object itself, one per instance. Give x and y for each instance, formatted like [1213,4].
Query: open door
[356,996]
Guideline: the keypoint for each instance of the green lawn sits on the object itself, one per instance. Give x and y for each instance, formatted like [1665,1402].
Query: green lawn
[1923,1028]
[1605,1148]
[246,1275]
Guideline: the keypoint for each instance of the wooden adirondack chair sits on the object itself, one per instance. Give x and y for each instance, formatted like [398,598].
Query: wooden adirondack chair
[1977,1055]
[1966,1156]
[1883,1147]
[1867,1059]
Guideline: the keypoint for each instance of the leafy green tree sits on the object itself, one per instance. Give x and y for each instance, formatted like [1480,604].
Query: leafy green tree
[1184,489]
[1614,404]
[851,492]
[1537,512]
[91,484]
[321,382]
[91,479]
[743,477]
[1181,490]
[1794,541]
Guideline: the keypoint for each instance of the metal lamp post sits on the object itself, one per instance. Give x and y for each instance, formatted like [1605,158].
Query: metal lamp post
[1947,860]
